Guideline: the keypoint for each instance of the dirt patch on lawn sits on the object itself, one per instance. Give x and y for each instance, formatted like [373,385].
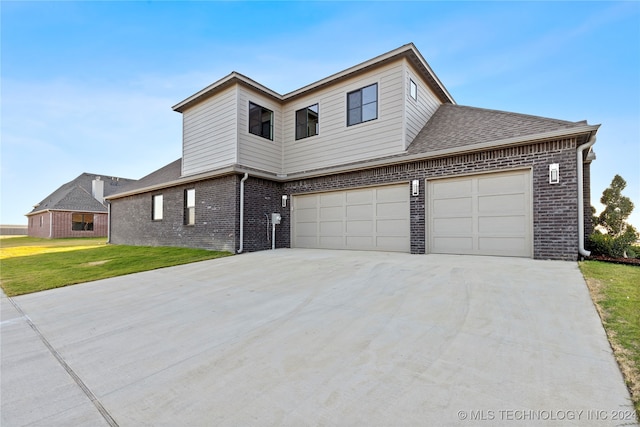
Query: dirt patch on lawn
[94,263]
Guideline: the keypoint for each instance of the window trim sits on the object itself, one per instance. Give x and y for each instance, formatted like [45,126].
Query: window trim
[271,121]
[361,106]
[306,123]
[154,213]
[413,87]
[188,209]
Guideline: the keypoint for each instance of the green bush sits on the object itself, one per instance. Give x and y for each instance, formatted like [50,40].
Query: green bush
[614,247]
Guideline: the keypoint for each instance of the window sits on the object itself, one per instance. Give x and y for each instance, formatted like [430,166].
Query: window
[260,121]
[413,90]
[82,222]
[190,206]
[307,122]
[362,105]
[41,220]
[156,209]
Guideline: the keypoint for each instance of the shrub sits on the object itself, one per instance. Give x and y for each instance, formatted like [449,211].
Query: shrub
[614,247]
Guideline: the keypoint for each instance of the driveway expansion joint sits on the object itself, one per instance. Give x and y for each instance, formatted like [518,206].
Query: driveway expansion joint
[85,389]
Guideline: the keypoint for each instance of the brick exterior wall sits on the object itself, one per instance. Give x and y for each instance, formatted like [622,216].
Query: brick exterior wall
[555,207]
[62,225]
[216,220]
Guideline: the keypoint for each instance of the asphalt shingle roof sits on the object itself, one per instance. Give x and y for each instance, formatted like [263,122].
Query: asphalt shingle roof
[76,195]
[454,126]
[450,127]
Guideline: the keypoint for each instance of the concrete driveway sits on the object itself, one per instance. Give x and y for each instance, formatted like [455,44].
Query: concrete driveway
[312,337]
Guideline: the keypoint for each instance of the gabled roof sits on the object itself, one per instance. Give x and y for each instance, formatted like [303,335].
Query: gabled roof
[457,126]
[408,51]
[76,195]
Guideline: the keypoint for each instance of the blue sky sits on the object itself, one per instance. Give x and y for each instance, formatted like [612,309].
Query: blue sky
[88,86]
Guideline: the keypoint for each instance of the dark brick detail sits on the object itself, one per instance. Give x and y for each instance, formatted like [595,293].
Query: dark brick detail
[262,198]
[57,225]
[216,224]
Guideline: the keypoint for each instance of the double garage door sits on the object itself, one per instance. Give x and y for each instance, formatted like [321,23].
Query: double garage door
[487,214]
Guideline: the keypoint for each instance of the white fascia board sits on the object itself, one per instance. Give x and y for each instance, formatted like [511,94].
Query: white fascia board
[231,78]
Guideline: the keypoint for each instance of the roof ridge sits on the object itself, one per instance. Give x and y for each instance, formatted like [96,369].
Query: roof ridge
[512,113]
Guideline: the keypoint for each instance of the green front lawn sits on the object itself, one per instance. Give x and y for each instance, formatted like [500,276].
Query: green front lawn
[615,289]
[33,267]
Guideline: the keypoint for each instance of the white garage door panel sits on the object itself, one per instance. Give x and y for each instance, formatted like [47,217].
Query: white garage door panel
[362,219]
[481,215]
[454,225]
[452,206]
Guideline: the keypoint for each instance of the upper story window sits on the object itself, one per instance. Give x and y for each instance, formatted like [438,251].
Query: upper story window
[413,89]
[362,105]
[190,206]
[260,121]
[156,207]
[307,122]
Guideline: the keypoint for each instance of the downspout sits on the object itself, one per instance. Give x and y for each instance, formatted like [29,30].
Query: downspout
[108,221]
[246,175]
[579,158]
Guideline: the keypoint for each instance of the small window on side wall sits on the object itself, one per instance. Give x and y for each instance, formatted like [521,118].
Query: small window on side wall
[260,121]
[413,89]
[307,122]
[82,222]
[362,105]
[157,206]
[190,206]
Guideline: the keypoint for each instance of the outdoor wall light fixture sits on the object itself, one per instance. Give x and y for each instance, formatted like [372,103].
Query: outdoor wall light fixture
[284,200]
[415,187]
[554,173]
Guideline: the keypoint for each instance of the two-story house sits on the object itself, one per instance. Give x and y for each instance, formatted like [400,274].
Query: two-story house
[376,157]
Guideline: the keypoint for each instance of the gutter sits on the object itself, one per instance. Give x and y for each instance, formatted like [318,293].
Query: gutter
[246,175]
[579,158]
[108,221]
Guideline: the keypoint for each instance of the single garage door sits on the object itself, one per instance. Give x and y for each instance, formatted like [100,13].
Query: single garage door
[487,214]
[374,218]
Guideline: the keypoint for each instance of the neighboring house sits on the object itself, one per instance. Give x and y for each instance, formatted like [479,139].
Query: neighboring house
[376,157]
[76,209]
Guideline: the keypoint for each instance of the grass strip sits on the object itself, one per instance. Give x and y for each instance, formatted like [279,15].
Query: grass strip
[25,274]
[615,290]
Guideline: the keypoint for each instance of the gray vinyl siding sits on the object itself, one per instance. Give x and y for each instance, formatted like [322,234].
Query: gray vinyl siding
[210,133]
[256,151]
[338,143]
[417,112]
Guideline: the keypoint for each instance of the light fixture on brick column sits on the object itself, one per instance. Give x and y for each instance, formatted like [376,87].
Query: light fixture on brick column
[284,200]
[554,173]
[415,187]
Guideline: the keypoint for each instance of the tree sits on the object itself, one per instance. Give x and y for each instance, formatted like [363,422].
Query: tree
[620,235]
[617,208]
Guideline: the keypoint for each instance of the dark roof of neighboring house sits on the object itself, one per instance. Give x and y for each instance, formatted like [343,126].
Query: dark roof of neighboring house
[454,126]
[76,195]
